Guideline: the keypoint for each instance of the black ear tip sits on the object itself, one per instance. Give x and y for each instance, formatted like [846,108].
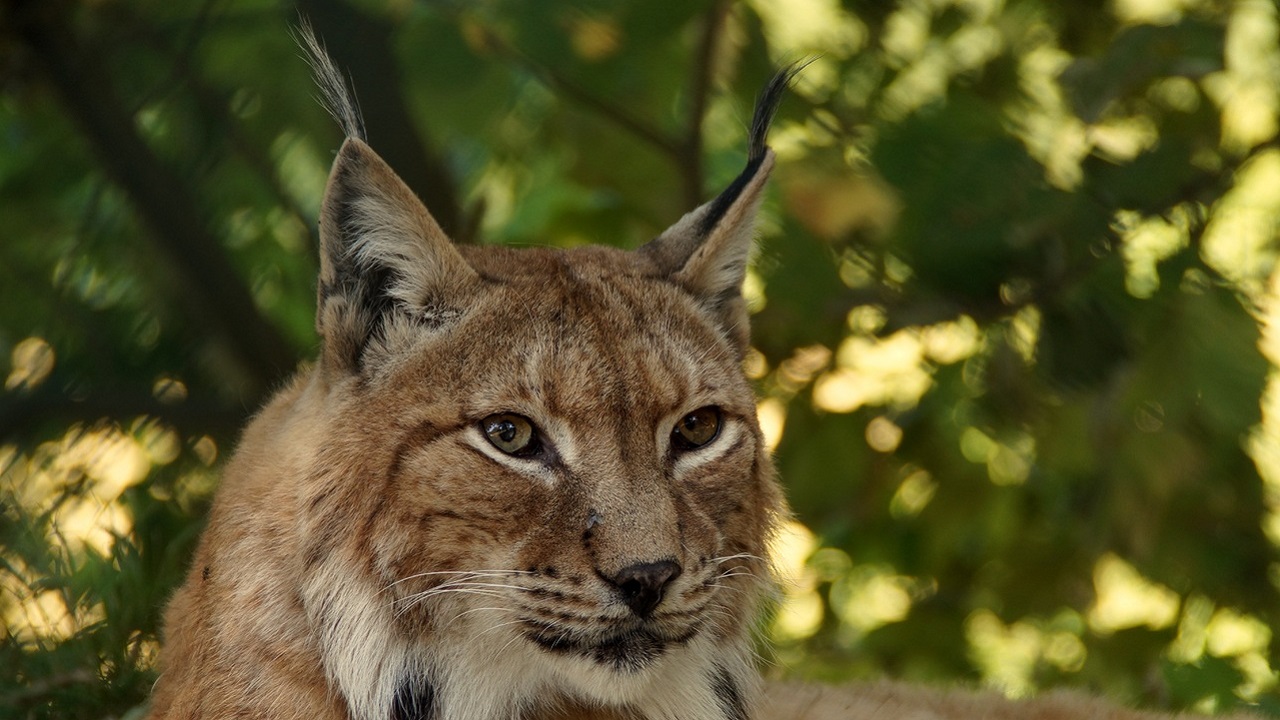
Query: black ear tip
[767,105]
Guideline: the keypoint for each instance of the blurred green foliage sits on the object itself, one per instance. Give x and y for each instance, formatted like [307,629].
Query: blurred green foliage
[1014,301]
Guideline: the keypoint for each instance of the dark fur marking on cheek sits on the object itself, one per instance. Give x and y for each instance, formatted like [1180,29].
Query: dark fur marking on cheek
[315,501]
[490,278]
[364,535]
[313,556]
[420,436]
[478,453]
[320,547]
[721,499]
[206,573]
[729,694]
[415,700]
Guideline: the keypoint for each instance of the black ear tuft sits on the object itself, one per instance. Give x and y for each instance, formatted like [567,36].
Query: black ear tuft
[707,250]
[767,106]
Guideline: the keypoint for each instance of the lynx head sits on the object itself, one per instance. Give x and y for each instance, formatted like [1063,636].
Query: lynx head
[539,482]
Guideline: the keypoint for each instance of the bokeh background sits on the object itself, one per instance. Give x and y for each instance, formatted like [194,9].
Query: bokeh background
[1015,301]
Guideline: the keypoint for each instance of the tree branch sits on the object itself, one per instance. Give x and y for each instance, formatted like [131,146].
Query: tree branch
[690,157]
[209,287]
[669,146]
[25,415]
[43,687]
[214,103]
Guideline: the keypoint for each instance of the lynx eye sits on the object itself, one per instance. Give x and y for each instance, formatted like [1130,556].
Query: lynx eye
[696,429]
[512,434]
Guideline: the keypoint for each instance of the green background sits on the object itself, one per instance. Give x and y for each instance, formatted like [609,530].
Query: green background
[1014,301]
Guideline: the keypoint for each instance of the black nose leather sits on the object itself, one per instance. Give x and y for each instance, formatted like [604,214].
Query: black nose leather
[642,585]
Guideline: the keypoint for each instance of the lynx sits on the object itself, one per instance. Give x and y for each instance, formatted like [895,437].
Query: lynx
[515,484]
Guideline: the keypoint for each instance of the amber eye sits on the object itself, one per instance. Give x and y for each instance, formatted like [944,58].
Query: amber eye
[696,429]
[512,434]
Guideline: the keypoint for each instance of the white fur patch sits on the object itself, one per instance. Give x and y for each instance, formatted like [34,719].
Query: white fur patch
[363,655]
[480,669]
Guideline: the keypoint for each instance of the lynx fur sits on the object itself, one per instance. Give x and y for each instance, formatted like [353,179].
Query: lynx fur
[515,484]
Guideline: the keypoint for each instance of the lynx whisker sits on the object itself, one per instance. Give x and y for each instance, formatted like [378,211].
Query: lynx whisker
[742,556]
[515,637]
[461,589]
[474,587]
[499,626]
[460,615]
[412,601]
[736,570]
[464,573]
[481,609]
[458,589]
[717,587]
[716,613]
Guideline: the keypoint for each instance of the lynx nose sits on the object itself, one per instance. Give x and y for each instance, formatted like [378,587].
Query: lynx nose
[642,585]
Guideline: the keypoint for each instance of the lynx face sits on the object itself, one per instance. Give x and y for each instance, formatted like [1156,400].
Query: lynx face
[517,483]
[546,460]
[593,466]
[590,493]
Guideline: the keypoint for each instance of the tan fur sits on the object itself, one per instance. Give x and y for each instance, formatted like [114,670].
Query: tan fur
[367,536]
[372,555]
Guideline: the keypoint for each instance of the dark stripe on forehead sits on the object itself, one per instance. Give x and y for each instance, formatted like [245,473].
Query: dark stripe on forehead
[669,341]
[580,329]
[677,330]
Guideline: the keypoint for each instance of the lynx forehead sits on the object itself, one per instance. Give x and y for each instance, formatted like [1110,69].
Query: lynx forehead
[516,483]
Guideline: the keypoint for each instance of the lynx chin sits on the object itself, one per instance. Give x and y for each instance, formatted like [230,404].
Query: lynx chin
[515,484]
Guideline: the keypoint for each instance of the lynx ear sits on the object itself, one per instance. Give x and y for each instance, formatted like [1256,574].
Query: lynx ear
[386,267]
[706,252]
